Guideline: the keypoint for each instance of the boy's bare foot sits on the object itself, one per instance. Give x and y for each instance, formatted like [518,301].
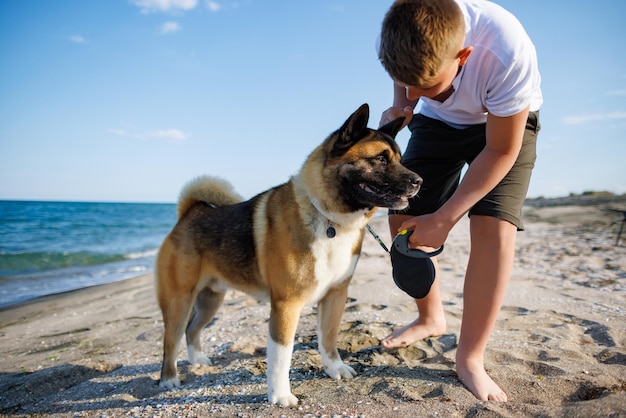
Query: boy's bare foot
[415,331]
[477,381]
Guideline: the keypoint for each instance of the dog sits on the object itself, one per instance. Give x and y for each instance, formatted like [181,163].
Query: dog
[294,244]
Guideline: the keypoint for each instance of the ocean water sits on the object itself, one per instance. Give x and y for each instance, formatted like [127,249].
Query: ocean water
[52,247]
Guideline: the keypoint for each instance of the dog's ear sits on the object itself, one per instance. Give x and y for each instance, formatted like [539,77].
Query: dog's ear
[356,123]
[353,129]
[392,128]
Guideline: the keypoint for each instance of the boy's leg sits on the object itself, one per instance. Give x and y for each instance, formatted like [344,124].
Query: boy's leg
[431,321]
[494,223]
[488,272]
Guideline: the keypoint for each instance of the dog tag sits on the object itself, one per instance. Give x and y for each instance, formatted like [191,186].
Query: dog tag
[330,231]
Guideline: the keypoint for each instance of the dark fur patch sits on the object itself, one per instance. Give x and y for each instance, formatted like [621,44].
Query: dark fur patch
[226,232]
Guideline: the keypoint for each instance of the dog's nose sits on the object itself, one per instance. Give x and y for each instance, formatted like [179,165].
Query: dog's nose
[416,180]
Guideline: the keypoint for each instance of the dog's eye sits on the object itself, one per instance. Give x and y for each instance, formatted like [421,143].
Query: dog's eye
[382,159]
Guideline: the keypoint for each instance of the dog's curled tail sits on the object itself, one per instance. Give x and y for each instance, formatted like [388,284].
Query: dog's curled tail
[212,190]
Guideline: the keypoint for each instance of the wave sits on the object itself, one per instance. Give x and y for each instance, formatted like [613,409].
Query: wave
[19,264]
[142,254]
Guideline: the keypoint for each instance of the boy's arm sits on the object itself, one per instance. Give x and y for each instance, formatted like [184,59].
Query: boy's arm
[399,97]
[504,141]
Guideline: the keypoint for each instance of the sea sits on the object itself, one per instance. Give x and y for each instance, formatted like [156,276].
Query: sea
[54,247]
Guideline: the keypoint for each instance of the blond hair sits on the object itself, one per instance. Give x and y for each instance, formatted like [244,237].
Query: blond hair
[418,36]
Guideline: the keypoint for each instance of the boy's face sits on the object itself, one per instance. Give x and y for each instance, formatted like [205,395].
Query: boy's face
[439,86]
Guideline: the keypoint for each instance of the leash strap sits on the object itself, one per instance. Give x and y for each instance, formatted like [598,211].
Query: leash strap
[380,241]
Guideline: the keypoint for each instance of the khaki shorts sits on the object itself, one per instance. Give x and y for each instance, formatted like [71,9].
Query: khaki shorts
[438,153]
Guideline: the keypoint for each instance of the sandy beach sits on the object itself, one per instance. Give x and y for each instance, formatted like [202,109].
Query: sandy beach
[558,350]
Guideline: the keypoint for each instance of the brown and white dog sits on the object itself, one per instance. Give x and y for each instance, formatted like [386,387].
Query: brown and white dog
[293,244]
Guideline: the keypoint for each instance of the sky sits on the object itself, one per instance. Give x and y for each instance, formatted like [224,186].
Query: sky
[127,100]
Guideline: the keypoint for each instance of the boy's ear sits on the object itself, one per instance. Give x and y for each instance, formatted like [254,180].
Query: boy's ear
[464,54]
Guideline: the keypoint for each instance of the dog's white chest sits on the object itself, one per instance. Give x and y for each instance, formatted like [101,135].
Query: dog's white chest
[334,260]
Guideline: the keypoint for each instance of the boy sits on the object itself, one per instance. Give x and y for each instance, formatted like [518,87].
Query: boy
[471,70]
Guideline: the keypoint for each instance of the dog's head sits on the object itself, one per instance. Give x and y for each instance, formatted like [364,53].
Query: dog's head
[361,167]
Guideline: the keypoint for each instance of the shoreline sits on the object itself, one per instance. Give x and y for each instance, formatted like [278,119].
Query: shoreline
[66,293]
[557,349]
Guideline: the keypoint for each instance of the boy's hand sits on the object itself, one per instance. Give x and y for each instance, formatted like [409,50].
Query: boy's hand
[394,113]
[428,231]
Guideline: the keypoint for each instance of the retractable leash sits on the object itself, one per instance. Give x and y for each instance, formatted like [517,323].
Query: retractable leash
[413,270]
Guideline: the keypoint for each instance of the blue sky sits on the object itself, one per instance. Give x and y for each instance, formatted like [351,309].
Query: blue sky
[126,100]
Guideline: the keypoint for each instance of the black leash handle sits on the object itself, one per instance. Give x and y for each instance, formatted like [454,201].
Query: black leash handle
[401,244]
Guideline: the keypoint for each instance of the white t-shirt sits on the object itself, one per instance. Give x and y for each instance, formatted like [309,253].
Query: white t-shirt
[501,75]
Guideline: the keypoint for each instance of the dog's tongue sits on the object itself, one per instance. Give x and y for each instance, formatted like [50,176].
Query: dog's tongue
[366,187]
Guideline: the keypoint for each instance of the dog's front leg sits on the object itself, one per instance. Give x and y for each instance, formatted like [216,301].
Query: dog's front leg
[329,313]
[282,330]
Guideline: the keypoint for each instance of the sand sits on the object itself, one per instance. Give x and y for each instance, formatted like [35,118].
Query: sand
[558,348]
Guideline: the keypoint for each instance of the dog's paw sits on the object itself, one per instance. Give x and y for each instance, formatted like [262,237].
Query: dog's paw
[170,383]
[339,371]
[284,400]
[196,357]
